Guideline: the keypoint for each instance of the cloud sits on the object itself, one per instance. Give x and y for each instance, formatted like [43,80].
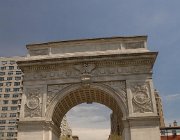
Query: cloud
[91,134]
[94,116]
[171,97]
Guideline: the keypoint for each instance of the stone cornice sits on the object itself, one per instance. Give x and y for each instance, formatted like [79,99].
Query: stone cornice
[147,58]
[89,40]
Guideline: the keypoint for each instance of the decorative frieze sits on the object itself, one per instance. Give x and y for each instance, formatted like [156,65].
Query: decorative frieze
[33,103]
[141,98]
[78,71]
[122,60]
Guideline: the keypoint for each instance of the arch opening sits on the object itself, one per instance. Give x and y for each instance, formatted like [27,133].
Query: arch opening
[87,121]
[88,95]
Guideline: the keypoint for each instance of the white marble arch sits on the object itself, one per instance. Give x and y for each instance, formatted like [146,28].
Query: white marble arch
[117,69]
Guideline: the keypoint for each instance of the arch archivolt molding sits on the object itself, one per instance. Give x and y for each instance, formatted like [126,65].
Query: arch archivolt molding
[112,89]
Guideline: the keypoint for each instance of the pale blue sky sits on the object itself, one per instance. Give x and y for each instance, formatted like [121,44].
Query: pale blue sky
[29,21]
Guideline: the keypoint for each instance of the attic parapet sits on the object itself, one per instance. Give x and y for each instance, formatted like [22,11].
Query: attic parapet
[132,44]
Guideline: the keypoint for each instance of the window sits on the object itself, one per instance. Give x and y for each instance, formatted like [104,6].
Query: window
[10,73]
[8,84]
[11,134]
[16,83]
[9,78]
[5,102]
[1,78]
[12,121]
[4,108]
[12,127]
[6,95]
[15,95]
[1,134]
[3,115]
[1,84]
[13,108]
[12,115]
[7,90]
[2,73]
[16,89]
[2,127]
[18,72]
[17,78]
[0,89]
[4,62]
[3,68]
[0,95]
[11,67]
[12,62]
[14,101]
[2,121]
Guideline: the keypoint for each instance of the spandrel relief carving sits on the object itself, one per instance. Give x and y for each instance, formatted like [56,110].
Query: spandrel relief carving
[119,86]
[53,90]
[33,103]
[141,98]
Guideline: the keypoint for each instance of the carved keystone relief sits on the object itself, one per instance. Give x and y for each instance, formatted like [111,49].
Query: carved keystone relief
[141,98]
[85,70]
[33,103]
[53,90]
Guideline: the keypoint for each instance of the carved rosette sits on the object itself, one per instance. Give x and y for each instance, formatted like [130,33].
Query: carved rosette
[33,103]
[141,98]
[53,90]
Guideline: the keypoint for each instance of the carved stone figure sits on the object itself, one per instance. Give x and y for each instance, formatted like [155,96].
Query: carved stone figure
[85,68]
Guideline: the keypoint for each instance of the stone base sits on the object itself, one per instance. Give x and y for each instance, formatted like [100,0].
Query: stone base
[145,128]
[37,130]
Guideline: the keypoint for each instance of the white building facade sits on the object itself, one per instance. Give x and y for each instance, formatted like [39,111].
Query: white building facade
[10,97]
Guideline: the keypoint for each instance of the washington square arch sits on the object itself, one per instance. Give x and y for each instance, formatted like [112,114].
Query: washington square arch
[115,72]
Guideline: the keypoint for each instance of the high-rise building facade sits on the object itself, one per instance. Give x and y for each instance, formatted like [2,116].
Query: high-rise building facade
[10,97]
[11,85]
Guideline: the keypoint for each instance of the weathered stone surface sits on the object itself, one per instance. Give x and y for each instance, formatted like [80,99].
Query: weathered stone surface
[116,72]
